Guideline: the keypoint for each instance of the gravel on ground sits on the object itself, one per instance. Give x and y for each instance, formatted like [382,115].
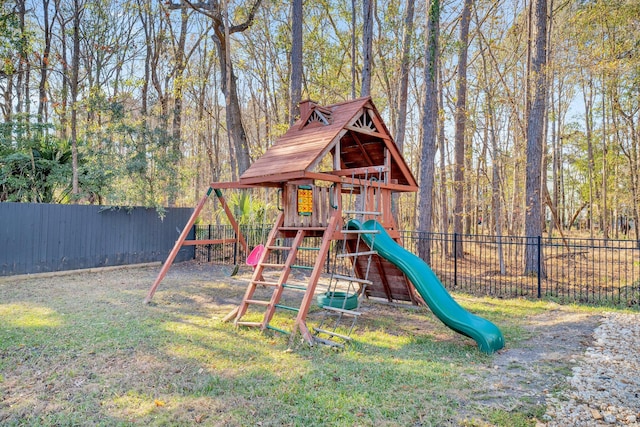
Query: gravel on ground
[604,387]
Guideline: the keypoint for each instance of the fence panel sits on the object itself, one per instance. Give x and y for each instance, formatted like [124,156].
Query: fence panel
[37,237]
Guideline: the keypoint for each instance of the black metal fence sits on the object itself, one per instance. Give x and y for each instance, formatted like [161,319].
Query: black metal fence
[593,271]
[39,237]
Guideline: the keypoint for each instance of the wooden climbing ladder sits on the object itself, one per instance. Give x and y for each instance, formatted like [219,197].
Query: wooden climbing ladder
[283,271]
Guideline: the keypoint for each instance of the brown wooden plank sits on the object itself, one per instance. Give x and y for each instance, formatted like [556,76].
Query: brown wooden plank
[207,242]
[360,171]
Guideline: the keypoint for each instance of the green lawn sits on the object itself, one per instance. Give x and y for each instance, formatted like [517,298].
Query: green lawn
[82,349]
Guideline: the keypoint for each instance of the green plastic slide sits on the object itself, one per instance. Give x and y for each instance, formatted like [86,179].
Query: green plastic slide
[485,333]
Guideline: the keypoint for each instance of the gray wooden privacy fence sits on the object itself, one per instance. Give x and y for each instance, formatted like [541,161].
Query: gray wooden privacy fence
[37,237]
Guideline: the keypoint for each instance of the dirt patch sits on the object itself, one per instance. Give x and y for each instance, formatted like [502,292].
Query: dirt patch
[527,373]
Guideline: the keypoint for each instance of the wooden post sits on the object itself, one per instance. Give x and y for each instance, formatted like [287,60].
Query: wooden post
[183,236]
[177,246]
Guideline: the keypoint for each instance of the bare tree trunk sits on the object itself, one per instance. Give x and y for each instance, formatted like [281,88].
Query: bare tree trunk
[64,92]
[407,35]
[21,67]
[460,122]
[367,46]
[604,222]
[73,85]
[354,48]
[429,126]
[44,64]
[587,92]
[401,117]
[7,109]
[496,205]
[178,87]
[442,144]
[296,60]
[535,129]
[495,184]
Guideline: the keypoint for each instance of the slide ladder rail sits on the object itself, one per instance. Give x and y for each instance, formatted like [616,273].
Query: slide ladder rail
[486,334]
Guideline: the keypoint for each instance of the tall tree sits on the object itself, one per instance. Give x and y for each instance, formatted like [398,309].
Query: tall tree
[460,125]
[535,135]
[296,60]
[223,29]
[429,128]
[74,81]
[44,62]
[353,49]
[407,35]
[23,69]
[401,117]
[367,46]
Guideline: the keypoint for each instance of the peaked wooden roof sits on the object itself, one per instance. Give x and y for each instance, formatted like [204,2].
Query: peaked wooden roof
[355,124]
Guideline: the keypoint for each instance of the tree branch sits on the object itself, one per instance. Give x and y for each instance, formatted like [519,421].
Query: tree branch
[247,23]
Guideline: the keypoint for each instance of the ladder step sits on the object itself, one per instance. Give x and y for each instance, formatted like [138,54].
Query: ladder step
[254,324]
[262,282]
[266,264]
[279,248]
[282,331]
[298,287]
[302,267]
[354,254]
[362,213]
[340,310]
[286,307]
[360,231]
[257,302]
[352,279]
[328,342]
[333,334]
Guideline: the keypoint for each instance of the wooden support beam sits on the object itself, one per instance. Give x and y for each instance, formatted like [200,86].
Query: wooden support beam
[207,242]
[177,246]
[231,185]
[383,279]
[364,152]
[360,171]
[366,132]
[274,178]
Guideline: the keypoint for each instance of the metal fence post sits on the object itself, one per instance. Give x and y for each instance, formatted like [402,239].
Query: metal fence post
[539,266]
[455,260]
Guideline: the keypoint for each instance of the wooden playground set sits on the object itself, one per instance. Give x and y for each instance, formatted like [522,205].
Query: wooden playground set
[335,171]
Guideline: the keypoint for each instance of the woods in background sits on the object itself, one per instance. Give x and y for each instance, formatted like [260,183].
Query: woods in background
[517,116]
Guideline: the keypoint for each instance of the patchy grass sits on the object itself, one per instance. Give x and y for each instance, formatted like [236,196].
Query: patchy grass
[82,349]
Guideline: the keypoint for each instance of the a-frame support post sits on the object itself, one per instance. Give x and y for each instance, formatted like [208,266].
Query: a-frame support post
[185,232]
[177,246]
